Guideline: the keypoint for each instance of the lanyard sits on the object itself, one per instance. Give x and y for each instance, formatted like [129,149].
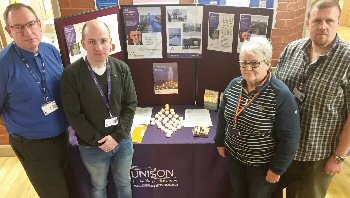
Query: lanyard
[98,86]
[238,110]
[40,82]
[307,72]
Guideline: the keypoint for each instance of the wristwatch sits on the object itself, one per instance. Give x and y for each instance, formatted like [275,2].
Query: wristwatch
[339,159]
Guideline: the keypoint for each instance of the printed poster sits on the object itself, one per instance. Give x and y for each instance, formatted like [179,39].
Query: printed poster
[220,35]
[251,26]
[165,77]
[73,37]
[184,31]
[143,30]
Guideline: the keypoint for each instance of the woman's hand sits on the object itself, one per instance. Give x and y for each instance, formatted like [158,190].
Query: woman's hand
[221,151]
[271,177]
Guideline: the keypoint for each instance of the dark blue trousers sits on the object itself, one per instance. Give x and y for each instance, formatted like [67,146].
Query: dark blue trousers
[249,181]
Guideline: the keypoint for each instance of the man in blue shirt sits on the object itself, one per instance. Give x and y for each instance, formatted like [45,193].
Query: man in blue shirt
[30,102]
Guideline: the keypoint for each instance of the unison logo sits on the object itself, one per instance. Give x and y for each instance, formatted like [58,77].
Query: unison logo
[147,177]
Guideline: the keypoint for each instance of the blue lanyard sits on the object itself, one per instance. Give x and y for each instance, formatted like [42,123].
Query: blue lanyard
[40,82]
[98,86]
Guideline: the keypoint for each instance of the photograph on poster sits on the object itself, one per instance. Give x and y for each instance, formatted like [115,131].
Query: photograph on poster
[150,23]
[174,36]
[191,43]
[177,15]
[135,38]
[192,29]
[165,77]
[74,49]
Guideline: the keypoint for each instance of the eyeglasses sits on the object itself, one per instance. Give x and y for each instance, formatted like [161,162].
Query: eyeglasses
[30,25]
[253,64]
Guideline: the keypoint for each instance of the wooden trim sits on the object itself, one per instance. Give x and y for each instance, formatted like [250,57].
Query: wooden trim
[6,151]
[345,15]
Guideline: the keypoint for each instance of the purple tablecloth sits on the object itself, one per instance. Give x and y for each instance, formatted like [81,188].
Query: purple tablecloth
[178,167]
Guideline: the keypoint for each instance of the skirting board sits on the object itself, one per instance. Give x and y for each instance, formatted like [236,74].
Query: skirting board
[6,151]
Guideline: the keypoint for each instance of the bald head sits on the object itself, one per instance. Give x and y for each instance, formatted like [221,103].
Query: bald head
[94,26]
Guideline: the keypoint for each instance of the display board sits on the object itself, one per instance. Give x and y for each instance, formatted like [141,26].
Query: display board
[216,69]
[213,70]
[61,23]
[142,72]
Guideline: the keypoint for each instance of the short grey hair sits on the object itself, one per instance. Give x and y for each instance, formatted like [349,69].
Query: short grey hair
[257,45]
[17,6]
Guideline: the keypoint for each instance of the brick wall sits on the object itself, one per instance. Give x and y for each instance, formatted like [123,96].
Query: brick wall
[289,26]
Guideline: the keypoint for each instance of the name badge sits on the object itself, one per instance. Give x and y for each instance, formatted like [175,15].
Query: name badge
[233,131]
[298,94]
[111,122]
[49,107]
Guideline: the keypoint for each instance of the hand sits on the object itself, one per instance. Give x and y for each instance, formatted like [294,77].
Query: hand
[221,151]
[108,143]
[332,167]
[271,177]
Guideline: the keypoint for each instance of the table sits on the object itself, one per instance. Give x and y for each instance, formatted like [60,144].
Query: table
[180,166]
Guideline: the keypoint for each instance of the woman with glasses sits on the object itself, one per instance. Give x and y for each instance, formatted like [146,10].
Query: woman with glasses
[258,124]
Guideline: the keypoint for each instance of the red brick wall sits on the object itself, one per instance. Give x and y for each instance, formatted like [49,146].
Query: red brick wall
[290,19]
[289,26]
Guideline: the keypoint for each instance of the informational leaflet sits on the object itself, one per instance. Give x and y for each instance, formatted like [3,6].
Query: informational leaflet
[220,35]
[73,37]
[142,115]
[251,26]
[144,32]
[197,117]
[184,31]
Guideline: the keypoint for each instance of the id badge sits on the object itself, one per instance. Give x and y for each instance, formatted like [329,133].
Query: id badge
[298,94]
[233,131]
[49,107]
[111,122]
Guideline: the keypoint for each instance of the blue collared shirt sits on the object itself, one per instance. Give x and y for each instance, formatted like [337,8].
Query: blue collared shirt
[21,98]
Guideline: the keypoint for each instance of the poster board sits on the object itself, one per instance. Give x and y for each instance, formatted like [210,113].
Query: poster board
[60,23]
[142,73]
[216,69]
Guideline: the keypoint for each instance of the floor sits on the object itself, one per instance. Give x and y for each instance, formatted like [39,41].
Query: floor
[344,33]
[15,184]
